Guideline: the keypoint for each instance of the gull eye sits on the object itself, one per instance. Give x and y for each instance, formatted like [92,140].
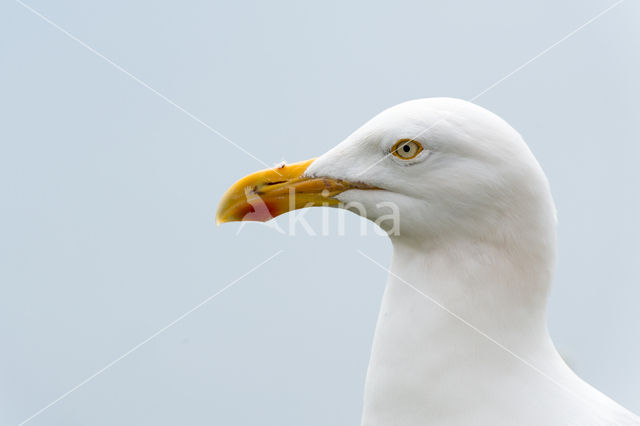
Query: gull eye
[406,149]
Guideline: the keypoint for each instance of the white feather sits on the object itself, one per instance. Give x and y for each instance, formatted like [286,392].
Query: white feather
[468,344]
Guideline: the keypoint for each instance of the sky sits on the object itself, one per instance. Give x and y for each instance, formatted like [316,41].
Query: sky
[123,123]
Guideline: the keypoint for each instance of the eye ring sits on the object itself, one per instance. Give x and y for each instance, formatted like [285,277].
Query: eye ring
[406,149]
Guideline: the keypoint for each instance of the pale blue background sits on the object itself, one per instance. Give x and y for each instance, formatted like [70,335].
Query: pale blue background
[108,195]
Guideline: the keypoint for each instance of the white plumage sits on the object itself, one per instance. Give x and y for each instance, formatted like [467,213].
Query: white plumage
[478,238]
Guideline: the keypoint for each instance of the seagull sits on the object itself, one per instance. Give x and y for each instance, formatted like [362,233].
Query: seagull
[461,337]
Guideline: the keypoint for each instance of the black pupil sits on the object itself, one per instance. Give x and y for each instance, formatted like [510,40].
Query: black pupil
[406,148]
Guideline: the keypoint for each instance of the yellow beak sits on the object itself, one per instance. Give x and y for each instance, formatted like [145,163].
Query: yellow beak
[269,193]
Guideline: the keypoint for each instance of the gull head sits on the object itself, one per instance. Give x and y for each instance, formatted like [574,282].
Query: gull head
[423,170]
